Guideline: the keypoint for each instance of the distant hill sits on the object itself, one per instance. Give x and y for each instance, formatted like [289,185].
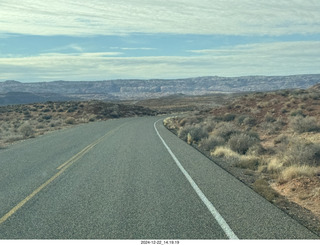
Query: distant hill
[141,89]
[12,98]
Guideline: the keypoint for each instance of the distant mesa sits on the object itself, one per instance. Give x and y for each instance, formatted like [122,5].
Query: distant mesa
[111,90]
[11,82]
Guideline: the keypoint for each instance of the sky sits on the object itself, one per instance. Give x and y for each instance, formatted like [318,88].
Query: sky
[77,40]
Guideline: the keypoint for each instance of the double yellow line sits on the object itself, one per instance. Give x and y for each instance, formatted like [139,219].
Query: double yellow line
[63,167]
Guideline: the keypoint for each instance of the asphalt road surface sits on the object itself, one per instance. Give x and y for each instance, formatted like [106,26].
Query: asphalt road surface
[128,179]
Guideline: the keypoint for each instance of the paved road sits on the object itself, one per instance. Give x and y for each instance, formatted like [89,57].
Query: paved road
[122,179]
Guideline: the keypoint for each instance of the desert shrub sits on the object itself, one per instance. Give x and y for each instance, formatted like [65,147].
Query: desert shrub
[297,113]
[40,126]
[242,142]
[170,123]
[269,118]
[114,114]
[26,113]
[281,139]
[72,109]
[304,124]
[263,104]
[315,95]
[271,128]
[241,118]
[229,117]
[183,132]
[301,153]
[209,125]
[26,130]
[17,124]
[253,134]
[246,120]
[196,134]
[303,107]
[55,123]
[46,117]
[70,120]
[225,118]
[190,121]
[92,119]
[182,122]
[211,142]
[250,121]
[225,130]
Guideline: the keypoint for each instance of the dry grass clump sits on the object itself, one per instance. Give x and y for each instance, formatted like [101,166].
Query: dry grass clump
[226,152]
[238,160]
[248,162]
[296,171]
[274,165]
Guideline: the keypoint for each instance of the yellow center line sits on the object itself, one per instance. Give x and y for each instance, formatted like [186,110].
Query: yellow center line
[62,168]
[78,155]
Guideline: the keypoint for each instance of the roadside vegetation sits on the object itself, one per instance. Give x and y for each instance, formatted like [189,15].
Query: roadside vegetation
[19,122]
[270,141]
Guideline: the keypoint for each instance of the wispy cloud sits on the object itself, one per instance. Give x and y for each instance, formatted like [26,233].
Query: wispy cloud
[135,48]
[281,58]
[81,17]
[275,49]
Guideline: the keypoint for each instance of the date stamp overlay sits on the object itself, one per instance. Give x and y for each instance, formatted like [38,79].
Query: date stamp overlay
[160,242]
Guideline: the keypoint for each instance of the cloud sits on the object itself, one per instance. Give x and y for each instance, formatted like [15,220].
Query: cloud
[137,48]
[282,58]
[121,17]
[275,49]
[81,55]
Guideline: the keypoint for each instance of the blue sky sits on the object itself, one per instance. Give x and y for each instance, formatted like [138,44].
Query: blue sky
[42,40]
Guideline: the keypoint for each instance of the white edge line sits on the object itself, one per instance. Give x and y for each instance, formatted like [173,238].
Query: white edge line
[223,224]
